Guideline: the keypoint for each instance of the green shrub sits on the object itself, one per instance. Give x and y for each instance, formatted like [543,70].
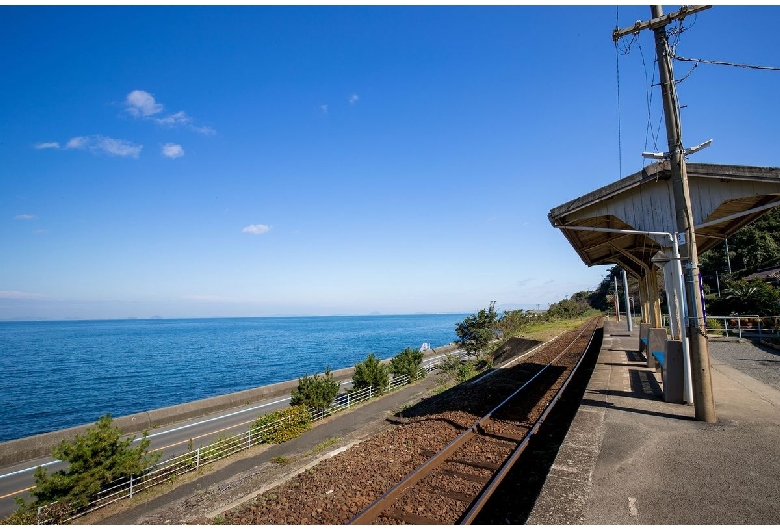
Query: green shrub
[23,515]
[282,425]
[466,371]
[370,373]
[316,391]
[408,363]
[96,458]
[449,365]
[476,331]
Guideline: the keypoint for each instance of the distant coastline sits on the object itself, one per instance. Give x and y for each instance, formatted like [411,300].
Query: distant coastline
[159,317]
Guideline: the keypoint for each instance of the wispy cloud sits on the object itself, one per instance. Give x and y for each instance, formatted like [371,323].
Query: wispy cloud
[19,295]
[177,118]
[256,229]
[47,145]
[205,129]
[40,231]
[112,146]
[324,109]
[77,142]
[26,217]
[142,103]
[172,150]
[353,99]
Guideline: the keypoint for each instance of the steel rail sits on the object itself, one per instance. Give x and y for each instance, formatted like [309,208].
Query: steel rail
[488,491]
[376,508]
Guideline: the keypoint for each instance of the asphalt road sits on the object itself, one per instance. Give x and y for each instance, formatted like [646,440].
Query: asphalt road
[172,440]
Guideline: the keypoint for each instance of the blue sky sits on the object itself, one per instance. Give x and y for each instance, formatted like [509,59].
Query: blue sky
[251,161]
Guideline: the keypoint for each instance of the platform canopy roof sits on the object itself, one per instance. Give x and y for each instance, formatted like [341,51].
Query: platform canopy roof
[724,198]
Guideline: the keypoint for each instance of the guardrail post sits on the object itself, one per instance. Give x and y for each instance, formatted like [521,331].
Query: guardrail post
[739,326]
[347,400]
[38,517]
[131,486]
[197,459]
[759,328]
[370,392]
[726,326]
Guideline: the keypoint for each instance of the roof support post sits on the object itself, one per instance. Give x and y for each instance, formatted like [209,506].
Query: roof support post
[655,299]
[643,298]
[628,304]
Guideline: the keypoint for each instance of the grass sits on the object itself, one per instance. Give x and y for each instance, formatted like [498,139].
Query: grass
[442,388]
[545,331]
[281,460]
[322,445]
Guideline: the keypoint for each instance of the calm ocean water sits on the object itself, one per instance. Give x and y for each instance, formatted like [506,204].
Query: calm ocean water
[62,374]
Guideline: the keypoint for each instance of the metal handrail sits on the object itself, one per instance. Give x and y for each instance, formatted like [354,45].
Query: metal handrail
[765,325]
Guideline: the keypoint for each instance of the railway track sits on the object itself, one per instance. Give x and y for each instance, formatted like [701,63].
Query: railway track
[454,483]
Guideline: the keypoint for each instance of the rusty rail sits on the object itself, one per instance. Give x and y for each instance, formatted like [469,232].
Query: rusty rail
[506,439]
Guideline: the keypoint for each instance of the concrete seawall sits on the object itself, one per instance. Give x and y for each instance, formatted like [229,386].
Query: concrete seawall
[41,445]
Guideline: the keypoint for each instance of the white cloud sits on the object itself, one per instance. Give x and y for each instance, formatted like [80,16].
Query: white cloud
[353,99]
[172,150]
[177,118]
[142,103]
[205,129]
[77,142]
[256,229]
[324,109]
[105,144]
[40,231]
[47,145]
[26,217]
[116,147]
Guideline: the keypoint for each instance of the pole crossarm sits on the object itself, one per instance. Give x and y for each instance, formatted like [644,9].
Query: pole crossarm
[657,22]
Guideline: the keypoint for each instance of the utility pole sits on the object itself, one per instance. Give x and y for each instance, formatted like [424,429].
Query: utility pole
[703,399]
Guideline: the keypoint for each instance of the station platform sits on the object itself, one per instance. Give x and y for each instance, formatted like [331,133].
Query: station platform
[631,458]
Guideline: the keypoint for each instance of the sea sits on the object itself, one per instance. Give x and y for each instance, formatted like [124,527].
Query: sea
[60,374]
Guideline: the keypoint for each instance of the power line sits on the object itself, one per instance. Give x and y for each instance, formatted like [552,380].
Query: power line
[617,68]
[723,63]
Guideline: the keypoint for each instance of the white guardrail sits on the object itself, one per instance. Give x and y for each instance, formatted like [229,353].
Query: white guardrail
[55,513]
[747,326]
[754,326]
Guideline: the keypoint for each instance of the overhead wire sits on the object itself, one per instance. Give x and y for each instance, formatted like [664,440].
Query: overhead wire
[723,63]
[617,74]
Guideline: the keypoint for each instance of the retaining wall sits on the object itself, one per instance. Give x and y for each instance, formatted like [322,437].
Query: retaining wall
[41,445]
